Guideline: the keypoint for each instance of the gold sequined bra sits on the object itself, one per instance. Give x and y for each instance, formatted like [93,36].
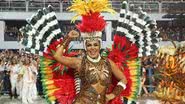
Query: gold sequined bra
[95,79]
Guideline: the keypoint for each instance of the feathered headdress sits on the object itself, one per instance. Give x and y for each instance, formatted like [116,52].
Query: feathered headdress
[92,22]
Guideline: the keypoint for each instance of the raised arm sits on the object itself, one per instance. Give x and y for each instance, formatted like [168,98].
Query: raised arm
[71,62]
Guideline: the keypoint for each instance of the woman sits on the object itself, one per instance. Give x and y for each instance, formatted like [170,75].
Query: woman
[14,70]
[1,75]
[27,79]
[34,72]
[95,72]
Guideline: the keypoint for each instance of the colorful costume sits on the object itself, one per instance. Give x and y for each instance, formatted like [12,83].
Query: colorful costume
[136,35]
[91,74]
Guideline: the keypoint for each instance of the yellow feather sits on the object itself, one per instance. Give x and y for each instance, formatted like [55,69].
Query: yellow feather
[84,7]
[52,98]
[49,82]
[51,87]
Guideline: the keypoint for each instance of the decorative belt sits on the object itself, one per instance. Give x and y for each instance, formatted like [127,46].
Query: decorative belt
[94,96]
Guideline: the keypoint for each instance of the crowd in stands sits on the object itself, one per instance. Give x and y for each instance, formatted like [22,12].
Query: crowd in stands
[11,34]
[175,34]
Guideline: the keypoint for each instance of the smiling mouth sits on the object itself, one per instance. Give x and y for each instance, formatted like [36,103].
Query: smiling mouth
[93,53]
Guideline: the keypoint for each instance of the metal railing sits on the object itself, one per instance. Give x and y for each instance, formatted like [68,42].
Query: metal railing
[34,6]
[12,6]
[173,6]
[148,6]
[152,6]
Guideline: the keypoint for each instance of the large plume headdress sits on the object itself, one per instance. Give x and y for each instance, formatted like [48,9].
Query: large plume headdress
[92,23]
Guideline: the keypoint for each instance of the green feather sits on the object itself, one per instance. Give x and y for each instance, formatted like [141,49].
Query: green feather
[56,68]
[70,49]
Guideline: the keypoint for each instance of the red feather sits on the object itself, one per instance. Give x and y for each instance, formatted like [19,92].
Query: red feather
[65,82]
[122,51]
[92,22]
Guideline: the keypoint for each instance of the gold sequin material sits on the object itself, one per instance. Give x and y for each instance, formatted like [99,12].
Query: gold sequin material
[95,78]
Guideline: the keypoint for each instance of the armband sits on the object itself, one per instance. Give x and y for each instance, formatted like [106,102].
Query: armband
[65,42]
[119,88]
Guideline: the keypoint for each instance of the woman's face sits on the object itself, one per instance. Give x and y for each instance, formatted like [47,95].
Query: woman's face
[14,62]
[93,48]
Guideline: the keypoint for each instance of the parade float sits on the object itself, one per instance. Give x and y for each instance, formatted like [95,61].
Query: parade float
[170,67]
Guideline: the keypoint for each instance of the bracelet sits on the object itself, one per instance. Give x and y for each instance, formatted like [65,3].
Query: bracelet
[119,88]
[122,84]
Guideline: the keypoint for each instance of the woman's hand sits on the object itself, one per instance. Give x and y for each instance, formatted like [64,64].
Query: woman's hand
[73,34]
[109,97]
[70,36]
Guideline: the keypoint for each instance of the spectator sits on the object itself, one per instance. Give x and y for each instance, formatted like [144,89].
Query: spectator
[6,82]
[175,34]
[34,69]
[14,70]
[1,75]
[27,74]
